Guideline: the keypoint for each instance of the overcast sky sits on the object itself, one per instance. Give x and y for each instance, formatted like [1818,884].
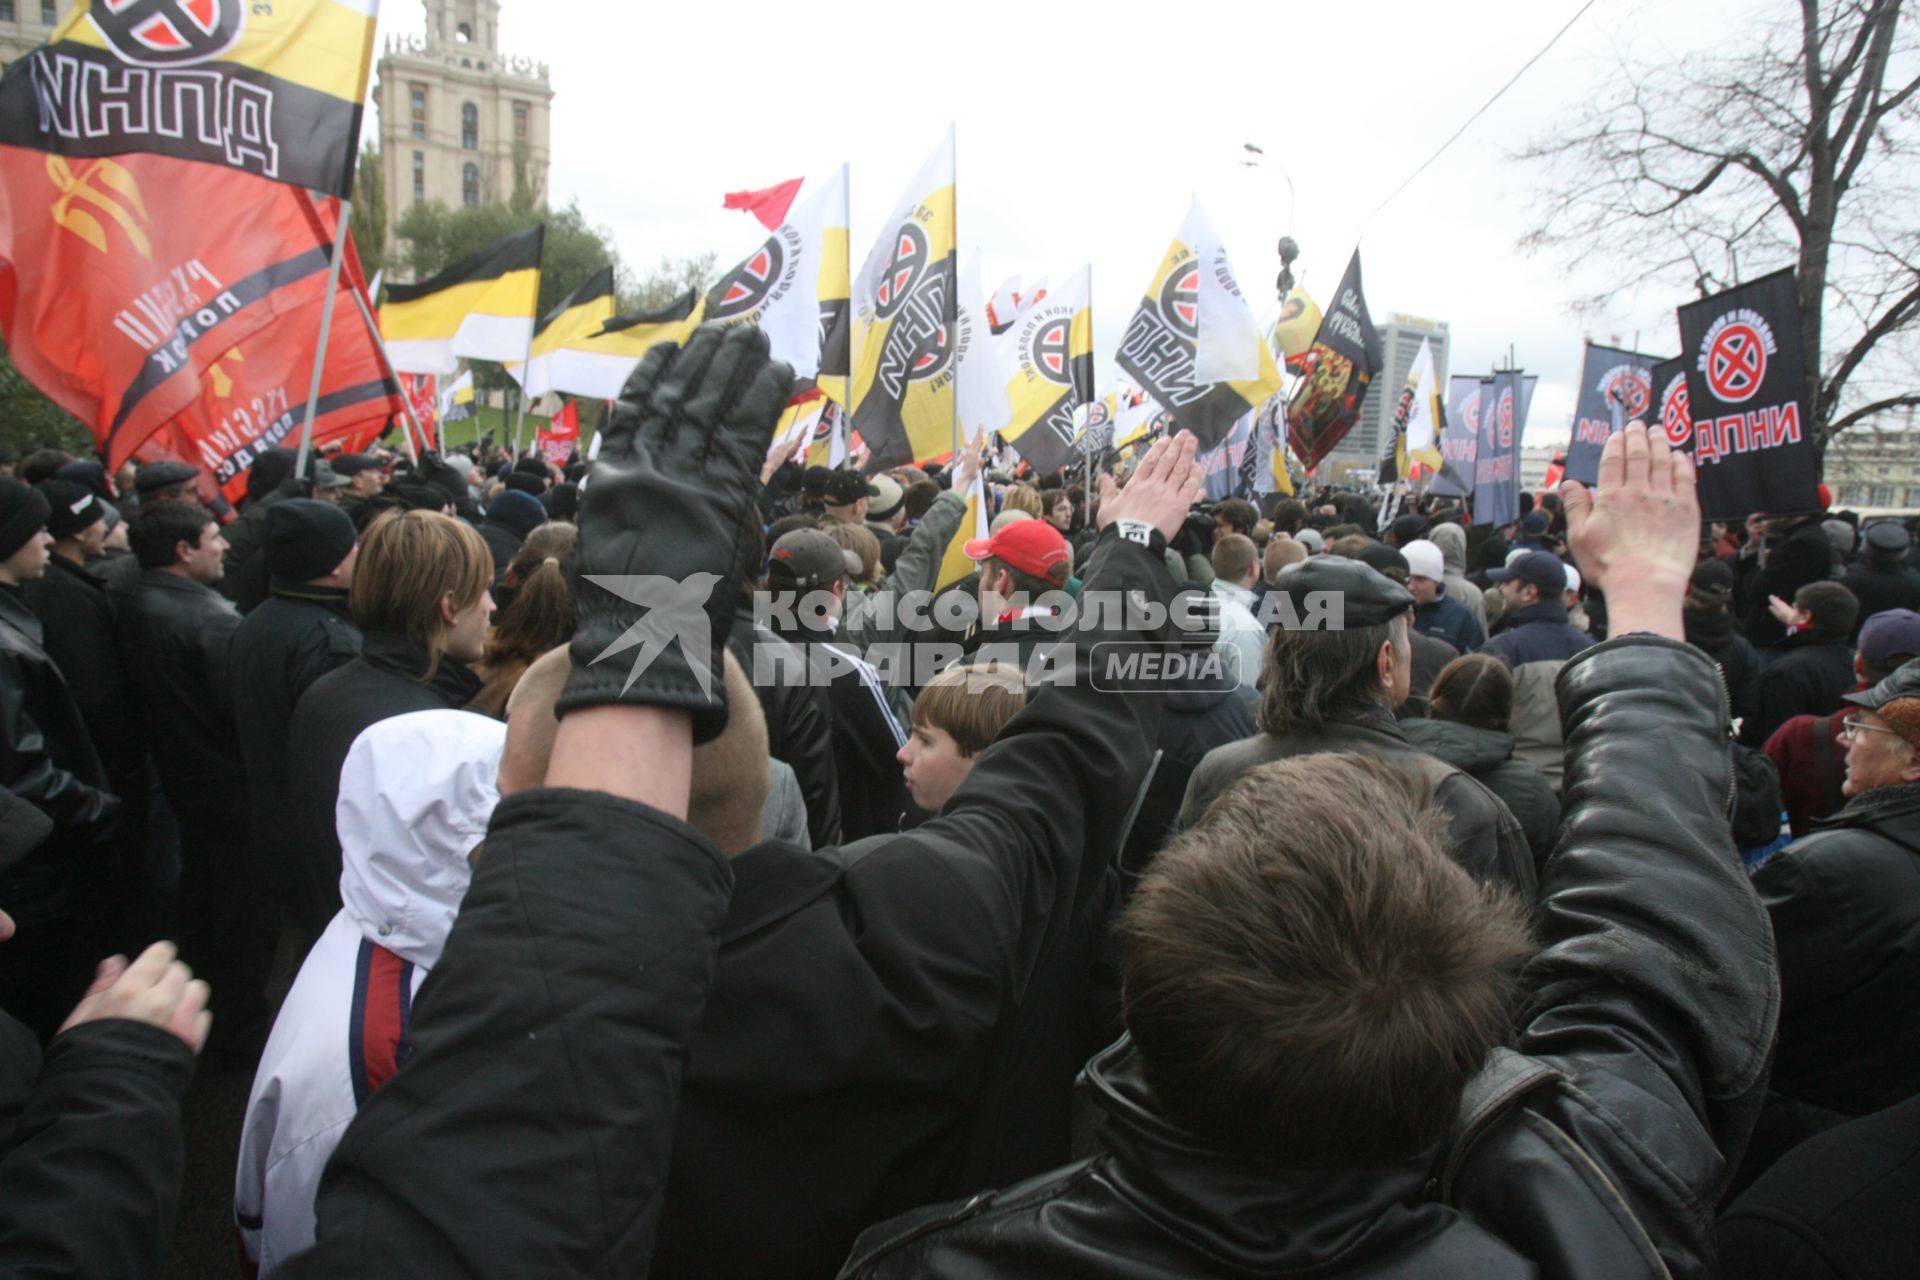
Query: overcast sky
[1083,131]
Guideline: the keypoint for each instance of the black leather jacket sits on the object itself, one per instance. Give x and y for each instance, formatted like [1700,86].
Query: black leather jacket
[175,635]
[1595,1150]
[48,760]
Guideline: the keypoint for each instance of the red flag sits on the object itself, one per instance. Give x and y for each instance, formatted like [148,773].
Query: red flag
[137,317]
[561,436]
[252,396]
[770,205]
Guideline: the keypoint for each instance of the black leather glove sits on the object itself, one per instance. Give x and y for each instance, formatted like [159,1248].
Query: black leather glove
[660,523]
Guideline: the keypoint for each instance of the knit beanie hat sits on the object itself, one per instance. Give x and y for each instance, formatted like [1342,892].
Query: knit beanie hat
[71,507]
[306,539]
[23,513]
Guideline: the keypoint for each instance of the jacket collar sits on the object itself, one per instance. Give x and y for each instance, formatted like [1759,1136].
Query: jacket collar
[384,651]
[1263,1217]
[78,572]
[1239,595]
[333,598]
[1895,807]
[15,611]
[1810,639]
[1541,611]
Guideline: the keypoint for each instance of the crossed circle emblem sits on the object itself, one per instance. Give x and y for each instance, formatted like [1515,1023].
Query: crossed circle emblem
[1180,300]
[169,33]
[905,265]
[1736,363]
[1051,351]
[1675,415]
[748,285]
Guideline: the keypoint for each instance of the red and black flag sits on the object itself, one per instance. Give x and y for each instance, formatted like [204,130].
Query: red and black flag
[163,267]
[1346,355]
[1747,396]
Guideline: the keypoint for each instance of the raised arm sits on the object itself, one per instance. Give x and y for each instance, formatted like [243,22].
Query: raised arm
[1653,989]
[528,1132]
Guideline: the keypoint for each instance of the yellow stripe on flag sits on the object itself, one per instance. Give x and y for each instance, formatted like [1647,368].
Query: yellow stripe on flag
[439,315]
[317,44]
[954,565]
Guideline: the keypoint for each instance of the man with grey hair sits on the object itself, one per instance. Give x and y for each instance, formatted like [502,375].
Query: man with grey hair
[1332,683]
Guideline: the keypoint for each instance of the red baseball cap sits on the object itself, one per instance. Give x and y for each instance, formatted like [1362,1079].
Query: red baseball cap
[1034,547]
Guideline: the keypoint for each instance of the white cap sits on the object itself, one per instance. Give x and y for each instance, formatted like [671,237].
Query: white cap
[1311,540]
[1425,560]
[1573,578]
[1515,554]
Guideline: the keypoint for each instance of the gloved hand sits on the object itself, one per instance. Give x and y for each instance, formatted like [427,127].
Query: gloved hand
[660,523]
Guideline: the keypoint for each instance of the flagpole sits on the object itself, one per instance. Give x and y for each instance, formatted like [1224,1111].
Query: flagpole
[326,336]
[386,363]
[1087,436]
[953,297]
[526,373]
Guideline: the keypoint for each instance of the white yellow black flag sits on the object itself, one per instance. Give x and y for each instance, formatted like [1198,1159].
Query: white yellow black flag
[580,315]
[481,308]
[1193,344]
[1048,358]
[907,336]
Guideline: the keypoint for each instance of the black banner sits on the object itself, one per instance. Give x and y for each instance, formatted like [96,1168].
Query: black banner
[1671,413]
[1747,392]
[1616,387]
[1345,357]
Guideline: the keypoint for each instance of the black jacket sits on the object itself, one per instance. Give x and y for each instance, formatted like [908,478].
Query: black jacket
[47,759]
[1538,633]
[1845,903]
[1487,754]
[1880,589]
[869,721]
[865,994]
[1803,555]
[298,635]
[81,623]
[799,721]
[1596,1149]
[1713,632]
[527,1134]
[175,638]
[90,1178]
[1194,723]
[1838,1207]
[1449,620]
[1807,679]
[1486,839]
[386,680]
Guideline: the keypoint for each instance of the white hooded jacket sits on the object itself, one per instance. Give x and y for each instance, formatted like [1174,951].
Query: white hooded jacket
[416,794]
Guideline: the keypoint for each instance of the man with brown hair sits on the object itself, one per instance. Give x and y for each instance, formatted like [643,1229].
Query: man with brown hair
[1328,689]
[1236,567]
[1319,998]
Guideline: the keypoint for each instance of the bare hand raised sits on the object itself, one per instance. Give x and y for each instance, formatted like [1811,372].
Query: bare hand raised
[1162,489]
[1638,536]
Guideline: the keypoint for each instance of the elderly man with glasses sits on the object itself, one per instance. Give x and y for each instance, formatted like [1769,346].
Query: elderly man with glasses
[1845,903]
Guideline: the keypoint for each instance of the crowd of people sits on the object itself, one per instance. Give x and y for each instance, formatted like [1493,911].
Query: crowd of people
[1548,906]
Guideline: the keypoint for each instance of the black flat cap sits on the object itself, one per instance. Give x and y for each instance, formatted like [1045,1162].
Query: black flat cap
[158,475]
[1904,683]
[1360,596]
[1888,536]
[352,464]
